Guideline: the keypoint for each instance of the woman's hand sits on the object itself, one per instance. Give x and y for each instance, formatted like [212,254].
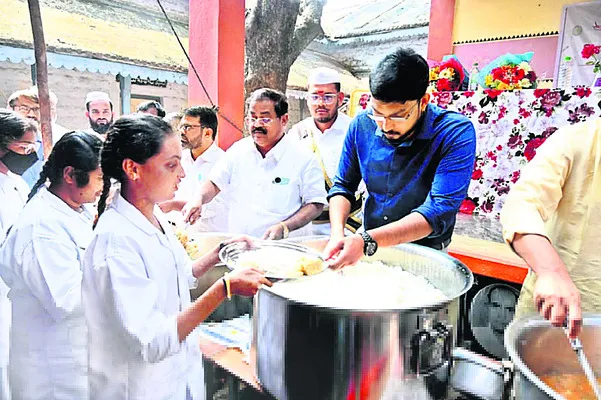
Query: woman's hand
[247,281]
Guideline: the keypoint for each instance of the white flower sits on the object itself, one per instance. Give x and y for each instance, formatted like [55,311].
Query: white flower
[525,66]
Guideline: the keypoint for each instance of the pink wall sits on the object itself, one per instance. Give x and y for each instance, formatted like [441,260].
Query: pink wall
[543,61]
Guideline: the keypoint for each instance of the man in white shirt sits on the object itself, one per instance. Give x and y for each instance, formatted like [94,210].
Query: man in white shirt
[198,129]
[323,133]
[275,187]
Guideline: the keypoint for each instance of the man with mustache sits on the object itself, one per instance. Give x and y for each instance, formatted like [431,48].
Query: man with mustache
[415,158]
[323,133]
[198,130]
[99,111]
[275,186]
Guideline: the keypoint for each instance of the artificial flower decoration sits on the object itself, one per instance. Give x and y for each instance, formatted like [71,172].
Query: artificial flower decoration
[509,72]
[591,51]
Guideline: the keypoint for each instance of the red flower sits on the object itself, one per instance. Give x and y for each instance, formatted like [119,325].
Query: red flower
[443,84]
[499,148]
[477,174]
[468,93]
[514,141]
[467,206]
[516,121]
[515,176]
[589,50]
[492,93]
[530,150]
[538,93]
[524,113]
[583,92]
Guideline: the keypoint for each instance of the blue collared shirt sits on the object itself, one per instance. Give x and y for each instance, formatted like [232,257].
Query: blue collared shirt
[32,174]
[428,174]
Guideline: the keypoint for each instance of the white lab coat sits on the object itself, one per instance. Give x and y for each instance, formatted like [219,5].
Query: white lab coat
[136,280]
[13,195]
[266,191]
[40,261]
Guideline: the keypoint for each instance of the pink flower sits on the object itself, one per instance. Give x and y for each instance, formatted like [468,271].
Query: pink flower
[467,206]
[583,92]
[589,50]
[515,176]
[530,150]
[514,141]
[477,174]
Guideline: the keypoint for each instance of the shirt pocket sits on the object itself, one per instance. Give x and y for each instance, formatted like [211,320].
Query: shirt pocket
[282,195]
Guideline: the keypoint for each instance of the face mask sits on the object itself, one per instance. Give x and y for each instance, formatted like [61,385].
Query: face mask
[19,163]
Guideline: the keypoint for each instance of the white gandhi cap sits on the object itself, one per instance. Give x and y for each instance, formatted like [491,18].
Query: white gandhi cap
[96,96]
[323,76]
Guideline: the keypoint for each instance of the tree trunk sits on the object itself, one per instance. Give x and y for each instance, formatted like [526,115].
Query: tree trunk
[277,31]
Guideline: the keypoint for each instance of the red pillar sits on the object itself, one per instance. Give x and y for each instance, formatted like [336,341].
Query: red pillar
[440,33]
[217,50]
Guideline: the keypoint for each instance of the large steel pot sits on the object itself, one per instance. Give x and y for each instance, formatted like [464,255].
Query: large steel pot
[536,348]
[306,351]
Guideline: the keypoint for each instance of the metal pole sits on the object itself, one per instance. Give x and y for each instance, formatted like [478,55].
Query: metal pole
[39,45]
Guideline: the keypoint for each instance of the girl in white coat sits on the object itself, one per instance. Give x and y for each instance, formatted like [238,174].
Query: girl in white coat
[137,275]
[17,138]
[41,262]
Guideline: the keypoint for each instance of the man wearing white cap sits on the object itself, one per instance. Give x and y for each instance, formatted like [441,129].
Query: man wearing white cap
[99,110]
[323,133]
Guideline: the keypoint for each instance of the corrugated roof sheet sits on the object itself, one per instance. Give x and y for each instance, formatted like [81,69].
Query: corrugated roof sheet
[355,18]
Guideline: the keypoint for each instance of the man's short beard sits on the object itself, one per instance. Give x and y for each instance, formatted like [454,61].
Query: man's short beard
[100,128]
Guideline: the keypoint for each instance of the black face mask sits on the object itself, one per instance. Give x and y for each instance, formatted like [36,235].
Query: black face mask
[19,163]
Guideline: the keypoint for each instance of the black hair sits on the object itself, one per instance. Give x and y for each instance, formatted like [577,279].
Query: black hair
[280,104]
[152,104]
[399,77]
[136,137]
[501,288]
[13,126]
[79,150]
[206,115]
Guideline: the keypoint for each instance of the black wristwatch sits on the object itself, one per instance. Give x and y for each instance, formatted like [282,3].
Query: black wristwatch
[370,246]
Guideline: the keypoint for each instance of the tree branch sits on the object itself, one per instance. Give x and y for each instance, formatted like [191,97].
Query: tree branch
[308,27]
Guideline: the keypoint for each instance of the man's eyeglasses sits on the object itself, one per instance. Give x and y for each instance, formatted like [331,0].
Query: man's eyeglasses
[24,147]
[262,121]
[381,118]
[326,98]
[26,109]
[186,128]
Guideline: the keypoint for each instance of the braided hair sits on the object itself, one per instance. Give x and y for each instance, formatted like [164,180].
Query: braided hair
[79,150]
[136,137]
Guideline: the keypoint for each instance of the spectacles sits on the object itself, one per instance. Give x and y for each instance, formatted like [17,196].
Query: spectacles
[24,147]
[187,128]
[26,109]
[262,121]
[381,118]
[326,98]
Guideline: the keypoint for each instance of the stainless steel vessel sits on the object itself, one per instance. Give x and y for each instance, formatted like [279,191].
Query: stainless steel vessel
[536,348]
[307,351]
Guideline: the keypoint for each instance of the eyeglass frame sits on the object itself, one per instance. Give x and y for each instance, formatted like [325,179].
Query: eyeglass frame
[264,121]
[322,97]
[26,109]
[381,118]
[26,148]
[185,128]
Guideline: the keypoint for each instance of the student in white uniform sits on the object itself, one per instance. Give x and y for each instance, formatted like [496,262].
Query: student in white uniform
[323,133]
[41,263]
[198,129]
[142,344]
[275,187]
[17,135]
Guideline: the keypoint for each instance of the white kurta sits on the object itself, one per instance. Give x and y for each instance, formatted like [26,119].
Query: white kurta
[13,195]
[329,143]
[266,191]
[136,281]
[214,214]
[41,262]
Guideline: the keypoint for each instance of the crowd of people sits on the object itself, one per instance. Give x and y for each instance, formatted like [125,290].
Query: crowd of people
[98,284]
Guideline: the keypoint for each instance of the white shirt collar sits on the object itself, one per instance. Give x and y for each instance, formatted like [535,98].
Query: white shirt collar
[341,124]
[211,154]
[277,152]
[57,203]
[135,216]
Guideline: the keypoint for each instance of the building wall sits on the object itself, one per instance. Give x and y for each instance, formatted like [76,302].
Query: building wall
[489,19]
[71,87]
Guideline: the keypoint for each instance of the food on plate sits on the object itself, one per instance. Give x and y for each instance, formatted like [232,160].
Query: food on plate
[281,262]
[571,386]
[366,285]
[189,245]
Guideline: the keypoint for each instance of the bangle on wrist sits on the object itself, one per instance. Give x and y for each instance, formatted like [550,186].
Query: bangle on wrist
[227,286]
[286,230]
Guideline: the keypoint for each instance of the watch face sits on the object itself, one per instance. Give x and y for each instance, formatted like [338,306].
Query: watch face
[371,249]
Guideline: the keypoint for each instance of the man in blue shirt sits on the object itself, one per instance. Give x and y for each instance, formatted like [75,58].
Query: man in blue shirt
[416,160]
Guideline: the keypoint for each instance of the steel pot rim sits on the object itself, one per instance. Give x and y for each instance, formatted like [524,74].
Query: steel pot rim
[458,265]
[512,334]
